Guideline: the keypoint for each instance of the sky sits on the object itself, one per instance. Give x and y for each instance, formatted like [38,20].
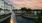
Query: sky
[33,4]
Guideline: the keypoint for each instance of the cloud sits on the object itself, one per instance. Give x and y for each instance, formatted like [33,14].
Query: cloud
[7,1]
[33,4]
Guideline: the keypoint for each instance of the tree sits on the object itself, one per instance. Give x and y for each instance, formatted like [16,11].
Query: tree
[24,9]
[6,10]
[28,11]
[40,17]
[1,9]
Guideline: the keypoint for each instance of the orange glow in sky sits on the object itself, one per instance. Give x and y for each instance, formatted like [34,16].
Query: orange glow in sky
[33,4]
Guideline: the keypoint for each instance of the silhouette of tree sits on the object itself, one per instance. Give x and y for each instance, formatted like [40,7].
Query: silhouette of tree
[1,9]
[24,9]
[6,10]
[28,10]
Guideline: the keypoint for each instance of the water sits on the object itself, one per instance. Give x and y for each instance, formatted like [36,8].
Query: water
[13,18]
[21,19]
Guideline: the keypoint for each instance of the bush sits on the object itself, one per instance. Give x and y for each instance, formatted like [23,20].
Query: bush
[40,17]
[4,15]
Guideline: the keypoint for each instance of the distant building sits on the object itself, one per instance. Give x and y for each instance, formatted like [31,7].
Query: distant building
[34,12]
[3,5]
[17,12]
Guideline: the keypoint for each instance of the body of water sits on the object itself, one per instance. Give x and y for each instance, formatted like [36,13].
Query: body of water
[21,19]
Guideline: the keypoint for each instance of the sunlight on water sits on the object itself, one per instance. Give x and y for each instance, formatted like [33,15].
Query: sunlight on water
[12,20]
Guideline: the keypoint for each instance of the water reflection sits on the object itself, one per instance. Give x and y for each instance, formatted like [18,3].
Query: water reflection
[13,19]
